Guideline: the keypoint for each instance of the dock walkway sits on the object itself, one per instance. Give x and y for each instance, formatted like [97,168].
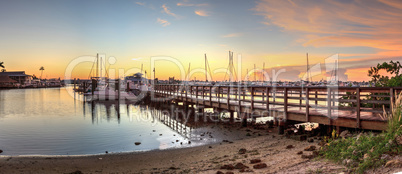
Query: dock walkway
[353,107]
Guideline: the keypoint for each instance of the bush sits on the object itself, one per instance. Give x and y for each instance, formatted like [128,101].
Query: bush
[365,150]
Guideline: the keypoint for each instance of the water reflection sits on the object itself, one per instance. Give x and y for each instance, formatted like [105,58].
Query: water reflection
[49,121]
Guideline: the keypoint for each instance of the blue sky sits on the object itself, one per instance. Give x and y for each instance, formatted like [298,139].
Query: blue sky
[279,33]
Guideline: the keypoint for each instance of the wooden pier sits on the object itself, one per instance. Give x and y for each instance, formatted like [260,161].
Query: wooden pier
[351,107]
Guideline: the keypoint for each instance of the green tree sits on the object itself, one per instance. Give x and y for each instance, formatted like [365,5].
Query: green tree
[380,80]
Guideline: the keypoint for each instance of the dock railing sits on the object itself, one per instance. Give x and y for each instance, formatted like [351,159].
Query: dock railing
[326,105]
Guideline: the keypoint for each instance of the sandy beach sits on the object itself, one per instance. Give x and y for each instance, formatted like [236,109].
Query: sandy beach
[260,147]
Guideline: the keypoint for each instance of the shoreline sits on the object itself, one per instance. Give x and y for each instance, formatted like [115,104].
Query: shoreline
[264,145]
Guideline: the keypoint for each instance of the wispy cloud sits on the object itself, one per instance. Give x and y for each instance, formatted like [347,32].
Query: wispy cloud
[163,22]
[167,11]
[201,13]
[140,3]
[372,23]
[232,35]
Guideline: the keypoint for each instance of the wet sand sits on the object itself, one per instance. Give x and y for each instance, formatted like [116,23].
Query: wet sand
[265,145]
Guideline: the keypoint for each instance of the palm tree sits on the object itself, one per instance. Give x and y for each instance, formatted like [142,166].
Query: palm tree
[41,69]
[1,64]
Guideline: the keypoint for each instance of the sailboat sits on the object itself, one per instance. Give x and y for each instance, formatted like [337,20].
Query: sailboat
[107,89]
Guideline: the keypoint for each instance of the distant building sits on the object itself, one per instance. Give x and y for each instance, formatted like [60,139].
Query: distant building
[136,78]
[6,81]
[171,80]
[19,76]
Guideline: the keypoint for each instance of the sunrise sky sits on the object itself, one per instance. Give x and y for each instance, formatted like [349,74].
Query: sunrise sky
[280,33]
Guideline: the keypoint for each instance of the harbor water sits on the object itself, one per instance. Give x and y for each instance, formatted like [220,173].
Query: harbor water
[50,121]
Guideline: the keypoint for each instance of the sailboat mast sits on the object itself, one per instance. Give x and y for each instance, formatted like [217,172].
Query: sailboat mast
[254,74]
[263,71]
[97,65]
[206,71]
[101,65]
[188,71]
[307,72]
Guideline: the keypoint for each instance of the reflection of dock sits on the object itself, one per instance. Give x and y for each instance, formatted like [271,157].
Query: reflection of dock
[176,124]
[103,109]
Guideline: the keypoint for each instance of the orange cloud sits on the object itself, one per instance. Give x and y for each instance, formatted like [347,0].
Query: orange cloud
[167,11]
[201,13]
[331,23]
[163,22]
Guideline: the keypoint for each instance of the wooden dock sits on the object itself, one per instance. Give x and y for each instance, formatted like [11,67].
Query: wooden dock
[351,107]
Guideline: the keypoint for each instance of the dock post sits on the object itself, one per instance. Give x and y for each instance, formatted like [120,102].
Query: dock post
[117,86]
[75,84]
[93,86]
[244,119]
[107,90]
[281,126]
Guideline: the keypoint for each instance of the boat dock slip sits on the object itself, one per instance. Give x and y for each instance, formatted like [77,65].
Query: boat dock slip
[352,107]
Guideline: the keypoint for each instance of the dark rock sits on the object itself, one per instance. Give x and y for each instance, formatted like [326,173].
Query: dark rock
[228,167]
[310,148]
[248,134]
[289,146]
[310,140]
[153,130]
[76,172]
[210,147]
[106,152]
[219,172]
[189,142]
[1,151]
[242,151]
[177,140]
[300,152]
[270,123]
[173,168]
[260,166]
[240,166]
[137,143]
[307,156]
[229,173]
[160,134]
[254,161]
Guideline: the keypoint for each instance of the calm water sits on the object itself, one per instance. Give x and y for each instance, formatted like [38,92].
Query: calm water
[50,122]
